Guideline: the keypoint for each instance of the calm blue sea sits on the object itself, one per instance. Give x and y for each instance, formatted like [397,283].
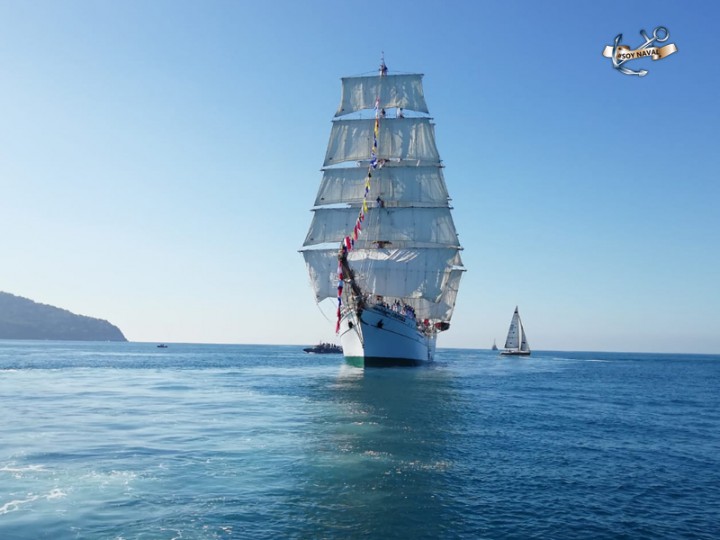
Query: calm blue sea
[128,441]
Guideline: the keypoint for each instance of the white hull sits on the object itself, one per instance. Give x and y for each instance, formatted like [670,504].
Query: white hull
[381,337]
[515,353]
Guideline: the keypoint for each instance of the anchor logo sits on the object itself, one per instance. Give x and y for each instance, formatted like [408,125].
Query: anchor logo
[619,54]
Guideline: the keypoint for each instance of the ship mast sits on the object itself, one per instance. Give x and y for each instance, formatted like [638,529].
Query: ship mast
[347,273]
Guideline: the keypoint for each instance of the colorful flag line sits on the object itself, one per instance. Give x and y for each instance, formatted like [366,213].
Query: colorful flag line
[348,243]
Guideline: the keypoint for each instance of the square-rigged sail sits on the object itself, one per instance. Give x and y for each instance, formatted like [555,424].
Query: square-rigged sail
[404,91]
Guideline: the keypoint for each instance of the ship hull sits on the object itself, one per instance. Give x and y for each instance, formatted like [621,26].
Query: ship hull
[515,353]
[382,338]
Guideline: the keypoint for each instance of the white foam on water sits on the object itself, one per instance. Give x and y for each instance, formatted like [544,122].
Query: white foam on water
[55,494]
[16,504]
[111,478]
[28,468]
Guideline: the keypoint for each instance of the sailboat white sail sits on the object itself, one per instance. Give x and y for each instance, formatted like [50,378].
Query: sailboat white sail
[382,242]
[516,343]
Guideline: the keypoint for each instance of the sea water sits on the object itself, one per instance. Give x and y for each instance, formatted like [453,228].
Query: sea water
[130,441]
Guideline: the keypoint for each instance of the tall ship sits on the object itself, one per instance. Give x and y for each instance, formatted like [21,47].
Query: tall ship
[382,244]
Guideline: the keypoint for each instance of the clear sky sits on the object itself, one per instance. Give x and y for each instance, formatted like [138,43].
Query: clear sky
[158,161]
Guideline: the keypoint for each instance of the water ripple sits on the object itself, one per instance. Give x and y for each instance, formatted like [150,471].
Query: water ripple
[195,442]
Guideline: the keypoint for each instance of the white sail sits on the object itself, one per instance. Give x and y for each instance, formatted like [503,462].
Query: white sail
[516,342]
[402,227]
[404,185]
[399,138]
[322,266]
[360,93]
[400,273]
[442,309]
[513,337]
[523,338]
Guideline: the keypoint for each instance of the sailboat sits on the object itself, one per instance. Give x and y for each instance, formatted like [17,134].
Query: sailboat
[382,243]
[516,343]
[494,347]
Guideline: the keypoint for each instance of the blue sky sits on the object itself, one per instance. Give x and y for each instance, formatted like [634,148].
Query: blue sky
[158,161]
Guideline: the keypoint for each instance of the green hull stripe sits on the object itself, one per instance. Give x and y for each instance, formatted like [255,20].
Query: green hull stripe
[355,361]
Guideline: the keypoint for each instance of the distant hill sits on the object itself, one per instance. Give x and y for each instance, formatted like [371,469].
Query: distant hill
[21,318]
